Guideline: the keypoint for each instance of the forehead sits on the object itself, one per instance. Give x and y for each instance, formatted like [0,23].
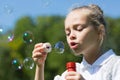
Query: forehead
[76,16]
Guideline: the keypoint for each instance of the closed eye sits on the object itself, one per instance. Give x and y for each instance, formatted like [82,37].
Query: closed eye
[67,32]
[79,27]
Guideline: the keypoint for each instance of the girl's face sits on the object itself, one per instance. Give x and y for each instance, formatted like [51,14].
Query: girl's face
[81,37]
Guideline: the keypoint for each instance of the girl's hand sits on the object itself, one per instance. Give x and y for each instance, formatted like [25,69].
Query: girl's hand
[39,53]
[73,76]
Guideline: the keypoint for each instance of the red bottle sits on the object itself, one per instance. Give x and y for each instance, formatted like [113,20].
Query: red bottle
[71,66]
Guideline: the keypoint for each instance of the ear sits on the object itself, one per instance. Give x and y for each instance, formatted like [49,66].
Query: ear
[101,31]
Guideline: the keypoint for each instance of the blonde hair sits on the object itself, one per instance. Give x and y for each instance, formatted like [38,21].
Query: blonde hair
[95,15]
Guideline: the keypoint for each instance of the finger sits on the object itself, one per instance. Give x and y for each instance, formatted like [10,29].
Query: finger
[38,45]
[37,55]
[71,73]
[72,76]
[39,60]
[38,49]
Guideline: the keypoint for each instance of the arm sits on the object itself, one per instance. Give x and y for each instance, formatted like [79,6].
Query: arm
[39,56]
[39,74]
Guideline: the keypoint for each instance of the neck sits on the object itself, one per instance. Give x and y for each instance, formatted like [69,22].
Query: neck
[92,56]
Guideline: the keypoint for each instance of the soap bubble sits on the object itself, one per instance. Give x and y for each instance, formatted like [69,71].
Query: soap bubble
[28,63]
[59,47]
[1,29]
[8,9]
[10,37]
[28,37]
[74,6]
[16,64]
[46,3]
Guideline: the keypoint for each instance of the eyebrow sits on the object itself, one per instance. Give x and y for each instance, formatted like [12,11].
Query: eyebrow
[74,25]
[82,25]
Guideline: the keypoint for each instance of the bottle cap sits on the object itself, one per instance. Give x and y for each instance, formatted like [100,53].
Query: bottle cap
[71,66]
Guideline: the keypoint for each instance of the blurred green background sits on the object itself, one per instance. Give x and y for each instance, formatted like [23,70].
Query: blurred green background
[43,29]
[43,20]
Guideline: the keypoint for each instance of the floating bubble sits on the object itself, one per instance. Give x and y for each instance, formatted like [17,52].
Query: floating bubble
[16,64]
[10,37]
[8,9]
[1,29]
[28,37]
[28,63]
[74,6]
[46,3]
[59,47]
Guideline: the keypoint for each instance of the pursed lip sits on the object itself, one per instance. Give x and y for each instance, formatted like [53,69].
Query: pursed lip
[73,45]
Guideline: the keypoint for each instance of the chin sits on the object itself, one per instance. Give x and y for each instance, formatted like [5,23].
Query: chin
[77,53]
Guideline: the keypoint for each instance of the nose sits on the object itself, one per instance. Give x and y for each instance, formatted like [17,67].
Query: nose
[72,36]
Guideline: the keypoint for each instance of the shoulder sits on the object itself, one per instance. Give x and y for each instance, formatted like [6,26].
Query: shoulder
[116,60]
[116,68]
[115,64]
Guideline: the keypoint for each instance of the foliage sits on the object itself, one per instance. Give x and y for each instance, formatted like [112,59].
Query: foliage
[44,29]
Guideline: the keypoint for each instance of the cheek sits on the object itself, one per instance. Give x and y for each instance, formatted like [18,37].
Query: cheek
[67,39]
[88,37]
[82,37]
[91,37]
